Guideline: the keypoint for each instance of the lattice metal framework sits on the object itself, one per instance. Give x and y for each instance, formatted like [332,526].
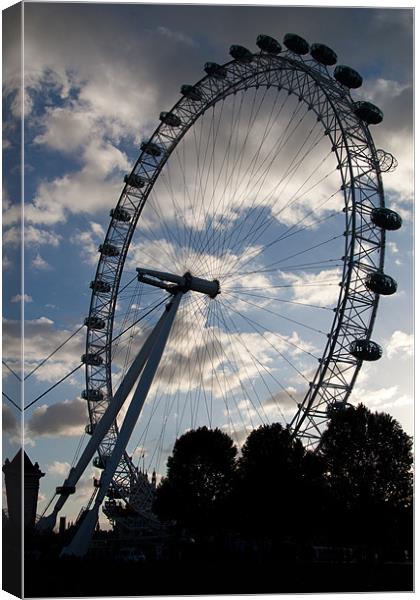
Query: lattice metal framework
[363,251]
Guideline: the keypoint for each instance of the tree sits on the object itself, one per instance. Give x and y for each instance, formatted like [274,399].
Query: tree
[369,468]
[199,480]
[279,483]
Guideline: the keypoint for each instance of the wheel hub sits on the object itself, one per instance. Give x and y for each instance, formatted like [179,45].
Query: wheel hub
[176,283]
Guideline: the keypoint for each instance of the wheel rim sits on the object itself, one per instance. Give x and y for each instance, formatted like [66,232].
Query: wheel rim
[361,191]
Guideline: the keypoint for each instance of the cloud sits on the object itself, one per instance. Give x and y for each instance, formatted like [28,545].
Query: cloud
[177,36]
[314,288]
[62,419]
[40,264]
[58,468]
[11,425]
[400,344]
[91,189]
[41,338]
[88,242]
[32,235]
[22,298]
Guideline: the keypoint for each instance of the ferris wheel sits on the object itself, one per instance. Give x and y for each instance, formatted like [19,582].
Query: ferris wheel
[239,278]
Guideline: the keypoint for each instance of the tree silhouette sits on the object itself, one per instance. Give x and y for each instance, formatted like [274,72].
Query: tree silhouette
[369,459]
[278,483]
[199,480]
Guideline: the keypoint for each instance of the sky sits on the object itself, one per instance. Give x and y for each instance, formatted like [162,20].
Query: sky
[96,78]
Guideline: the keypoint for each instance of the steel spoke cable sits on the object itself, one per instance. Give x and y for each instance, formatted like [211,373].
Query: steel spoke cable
[268,371]
[288,301]
[53,386]
[11,401]
[11,370]
[318,264]
[221,242]
[81,364]
[43,361]
[225,160]
[157,393]
[244,389]
[264,308]
[260,226]
[229,177]
[255,361]
[282,260]
[259,182]
[52,353]
[273,153]
[253,324]
[251,166]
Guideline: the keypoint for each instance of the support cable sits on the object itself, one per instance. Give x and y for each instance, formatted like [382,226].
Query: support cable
[12,401]
[81,364]
[11,370]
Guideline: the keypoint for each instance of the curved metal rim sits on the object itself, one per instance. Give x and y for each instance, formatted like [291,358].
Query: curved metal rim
[354,148]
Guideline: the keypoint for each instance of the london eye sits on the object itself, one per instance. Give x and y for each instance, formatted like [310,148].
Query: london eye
[239,278]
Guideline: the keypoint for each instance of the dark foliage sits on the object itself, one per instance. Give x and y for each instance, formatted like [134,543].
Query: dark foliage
[277,478]
[356,490]
[368,460]
[199,480]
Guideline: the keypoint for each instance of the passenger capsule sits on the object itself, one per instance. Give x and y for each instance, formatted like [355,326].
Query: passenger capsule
[323,54]
[215,70]
[386,218]
[368,112]
[296,44]
[66,490]
[191,92]
[119,214]
[268,44]
[94,323]
[92,359]
[379,283]
[170,119]
[90,428]
[365,350]
[93,395]
[241,54]
[100,287]
[108,249]
[134,180]
[151,149]
[348,76]
[336,406]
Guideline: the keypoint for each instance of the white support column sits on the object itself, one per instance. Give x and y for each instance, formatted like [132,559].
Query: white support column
[80,543]
[103,425]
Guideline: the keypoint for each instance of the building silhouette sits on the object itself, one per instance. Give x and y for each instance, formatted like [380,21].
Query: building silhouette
[15,483]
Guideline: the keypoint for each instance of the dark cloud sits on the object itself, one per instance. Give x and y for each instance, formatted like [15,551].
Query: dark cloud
[65,418]
[11,424]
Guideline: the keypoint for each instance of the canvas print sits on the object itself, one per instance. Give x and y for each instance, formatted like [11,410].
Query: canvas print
[207,299]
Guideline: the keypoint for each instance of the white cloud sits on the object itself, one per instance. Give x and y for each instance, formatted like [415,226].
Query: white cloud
[62,419]
[314,288]
[33,236]
[58,468]
[88,242]
[39,263]
[400,344]
[41,338]
[177,36]
[7,263]
[20,298]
